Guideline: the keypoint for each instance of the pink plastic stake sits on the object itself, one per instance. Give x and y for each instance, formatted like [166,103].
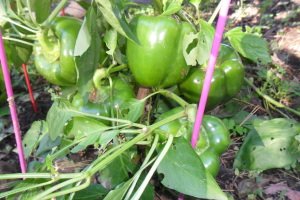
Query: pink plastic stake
[12,105]
[210,70]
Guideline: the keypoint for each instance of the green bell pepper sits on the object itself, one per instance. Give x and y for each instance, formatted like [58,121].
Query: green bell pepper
[158,60]
[214,138]
[54,51]
[226,82]
[105,100]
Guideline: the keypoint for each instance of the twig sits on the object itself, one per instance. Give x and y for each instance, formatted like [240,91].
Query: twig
[270,99]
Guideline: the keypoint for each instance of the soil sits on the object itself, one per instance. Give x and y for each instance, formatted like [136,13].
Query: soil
[280,20]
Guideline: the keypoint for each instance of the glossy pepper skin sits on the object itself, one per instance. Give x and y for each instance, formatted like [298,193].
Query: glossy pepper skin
[158,60]
[106,102]
[227,80]
[54,55]
[214,138]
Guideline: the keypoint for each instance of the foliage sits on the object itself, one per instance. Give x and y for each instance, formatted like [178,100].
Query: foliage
[98,114]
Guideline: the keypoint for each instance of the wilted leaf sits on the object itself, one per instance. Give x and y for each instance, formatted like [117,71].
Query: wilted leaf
[271,144]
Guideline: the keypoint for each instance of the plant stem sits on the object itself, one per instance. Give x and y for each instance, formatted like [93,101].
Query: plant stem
[71,190]
[117,68]
[22,189]
[18,40]
[135,140]
[118,152]
[167,120]
[270,99]
[54,13]
[57,187]
[39,176]
[138,174]
[215,13]
[30,11]
[163,153]
[168,94]
[19,25]
[122,121]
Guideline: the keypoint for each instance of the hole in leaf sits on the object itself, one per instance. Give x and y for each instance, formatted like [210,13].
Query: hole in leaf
[191,46]
[272,138]
[292,125]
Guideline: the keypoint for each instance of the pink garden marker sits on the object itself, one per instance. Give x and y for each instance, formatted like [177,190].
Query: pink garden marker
[210,70]
[12,105]
[209,73]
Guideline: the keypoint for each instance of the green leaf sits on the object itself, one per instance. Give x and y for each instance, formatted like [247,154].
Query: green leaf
[136,109]
[201,44]
[95,132]
[111,40]
[271,144]
[4,110]
[83,40]
[56,118]
[106,137]
[119,192]
[88,62]
[29,194]
[33,136]
[90,140]
[117,171]
[42,9]
[249,45]
[46,145]
[113,16]
[184,172]
[93,192]
[171,6]
[80,127]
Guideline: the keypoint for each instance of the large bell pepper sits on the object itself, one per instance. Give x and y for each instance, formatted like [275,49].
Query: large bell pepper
[227,80]
[157,61]
[214,138]
[54,51]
